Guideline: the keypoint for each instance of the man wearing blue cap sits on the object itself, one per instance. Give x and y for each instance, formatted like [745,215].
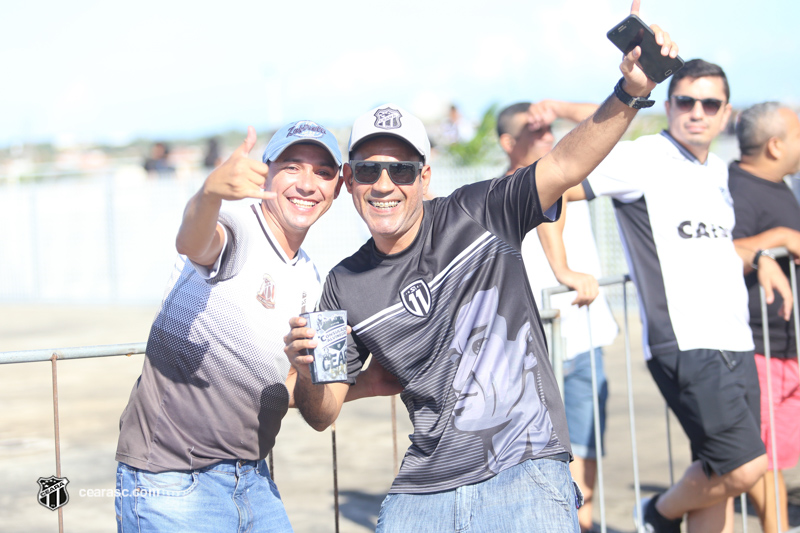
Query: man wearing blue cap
[215,382]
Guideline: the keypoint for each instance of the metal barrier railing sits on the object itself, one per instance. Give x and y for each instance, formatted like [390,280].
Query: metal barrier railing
[551,319]
[557,358]
[111,350]
[778,253]
[84,352]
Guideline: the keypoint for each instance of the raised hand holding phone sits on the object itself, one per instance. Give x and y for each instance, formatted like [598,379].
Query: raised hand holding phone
[653,52]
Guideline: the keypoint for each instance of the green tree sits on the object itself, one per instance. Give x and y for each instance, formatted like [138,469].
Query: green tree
[478,150]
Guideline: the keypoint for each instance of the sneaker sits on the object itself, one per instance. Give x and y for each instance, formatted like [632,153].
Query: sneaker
[637,511]
[653,521]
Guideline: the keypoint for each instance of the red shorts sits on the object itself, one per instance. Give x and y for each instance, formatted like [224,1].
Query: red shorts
[785,408]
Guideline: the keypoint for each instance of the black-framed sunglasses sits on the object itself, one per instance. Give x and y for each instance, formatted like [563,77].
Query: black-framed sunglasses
[711,106]
[400,172]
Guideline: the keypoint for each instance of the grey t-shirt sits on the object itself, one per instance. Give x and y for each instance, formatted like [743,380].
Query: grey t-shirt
[213,382]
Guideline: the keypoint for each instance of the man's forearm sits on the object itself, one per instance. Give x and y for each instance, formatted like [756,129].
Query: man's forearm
[576,111]
[318,404]
[772,238]
[551,236]
[198,232]
[582,149]
[747,247]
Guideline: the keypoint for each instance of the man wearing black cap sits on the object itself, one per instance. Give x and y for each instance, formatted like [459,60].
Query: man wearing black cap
[440,298]
[215,384]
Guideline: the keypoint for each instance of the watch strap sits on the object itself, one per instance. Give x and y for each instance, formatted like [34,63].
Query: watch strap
[636,102]
[765,253]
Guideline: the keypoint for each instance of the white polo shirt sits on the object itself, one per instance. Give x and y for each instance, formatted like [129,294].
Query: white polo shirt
[675,217]
[582,254]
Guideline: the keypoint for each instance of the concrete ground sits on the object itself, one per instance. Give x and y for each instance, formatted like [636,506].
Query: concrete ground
[92,394]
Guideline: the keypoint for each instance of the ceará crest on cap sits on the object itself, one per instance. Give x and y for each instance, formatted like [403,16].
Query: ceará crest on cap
[388,119]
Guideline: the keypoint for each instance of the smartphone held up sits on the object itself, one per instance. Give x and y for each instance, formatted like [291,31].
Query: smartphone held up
[633,32]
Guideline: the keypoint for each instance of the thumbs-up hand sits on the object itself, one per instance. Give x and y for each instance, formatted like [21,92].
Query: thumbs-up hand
[239,176]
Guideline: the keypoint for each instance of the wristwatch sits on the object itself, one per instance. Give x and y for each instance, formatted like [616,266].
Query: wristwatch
[765,253]
[636,102]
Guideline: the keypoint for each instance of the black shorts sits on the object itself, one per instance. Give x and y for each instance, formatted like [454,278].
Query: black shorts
[716,397]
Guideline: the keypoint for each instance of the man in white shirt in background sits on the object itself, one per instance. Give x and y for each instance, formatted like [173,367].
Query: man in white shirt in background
[676,217]
[525,134]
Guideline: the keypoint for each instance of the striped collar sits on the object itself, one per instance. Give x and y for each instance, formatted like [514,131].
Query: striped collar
[273,242]
[682,149]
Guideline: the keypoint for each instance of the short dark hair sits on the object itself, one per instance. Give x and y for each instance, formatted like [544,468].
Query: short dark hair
[698,68]
[506,117]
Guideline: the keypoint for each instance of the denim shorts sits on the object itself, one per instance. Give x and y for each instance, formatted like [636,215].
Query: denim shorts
[578,402]
[226,496]
[535,496]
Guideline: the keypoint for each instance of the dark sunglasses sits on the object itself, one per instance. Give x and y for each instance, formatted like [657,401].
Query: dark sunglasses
[686,103]
[400,172]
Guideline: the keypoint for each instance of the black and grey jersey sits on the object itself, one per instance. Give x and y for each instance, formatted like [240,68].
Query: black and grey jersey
[676,217]
[453,317]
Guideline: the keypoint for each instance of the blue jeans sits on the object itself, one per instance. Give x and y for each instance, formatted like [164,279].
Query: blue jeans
[230,496]
[578,402]
[534,496]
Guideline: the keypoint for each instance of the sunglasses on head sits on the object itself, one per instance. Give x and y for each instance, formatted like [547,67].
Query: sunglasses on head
[686,103]
[400,172]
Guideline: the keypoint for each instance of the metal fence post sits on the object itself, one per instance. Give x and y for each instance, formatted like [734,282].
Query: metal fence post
[335,480]
[556,341]
[767,358]
[637,491]
[597,429]
[557,358]
[57,432]
[795,313]
[669,446]
[395,464]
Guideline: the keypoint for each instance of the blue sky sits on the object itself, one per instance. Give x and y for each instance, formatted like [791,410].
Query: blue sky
[111,71]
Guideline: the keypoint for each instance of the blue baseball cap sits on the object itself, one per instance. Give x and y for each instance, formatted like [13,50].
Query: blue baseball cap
[301,131]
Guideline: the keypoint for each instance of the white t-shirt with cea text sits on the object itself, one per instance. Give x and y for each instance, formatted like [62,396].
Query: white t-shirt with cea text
[676,217]
[582,257]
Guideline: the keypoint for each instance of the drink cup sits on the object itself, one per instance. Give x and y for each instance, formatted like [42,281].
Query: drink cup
[330,355]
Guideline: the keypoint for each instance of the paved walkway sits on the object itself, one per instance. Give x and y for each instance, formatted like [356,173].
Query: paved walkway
[92,394]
